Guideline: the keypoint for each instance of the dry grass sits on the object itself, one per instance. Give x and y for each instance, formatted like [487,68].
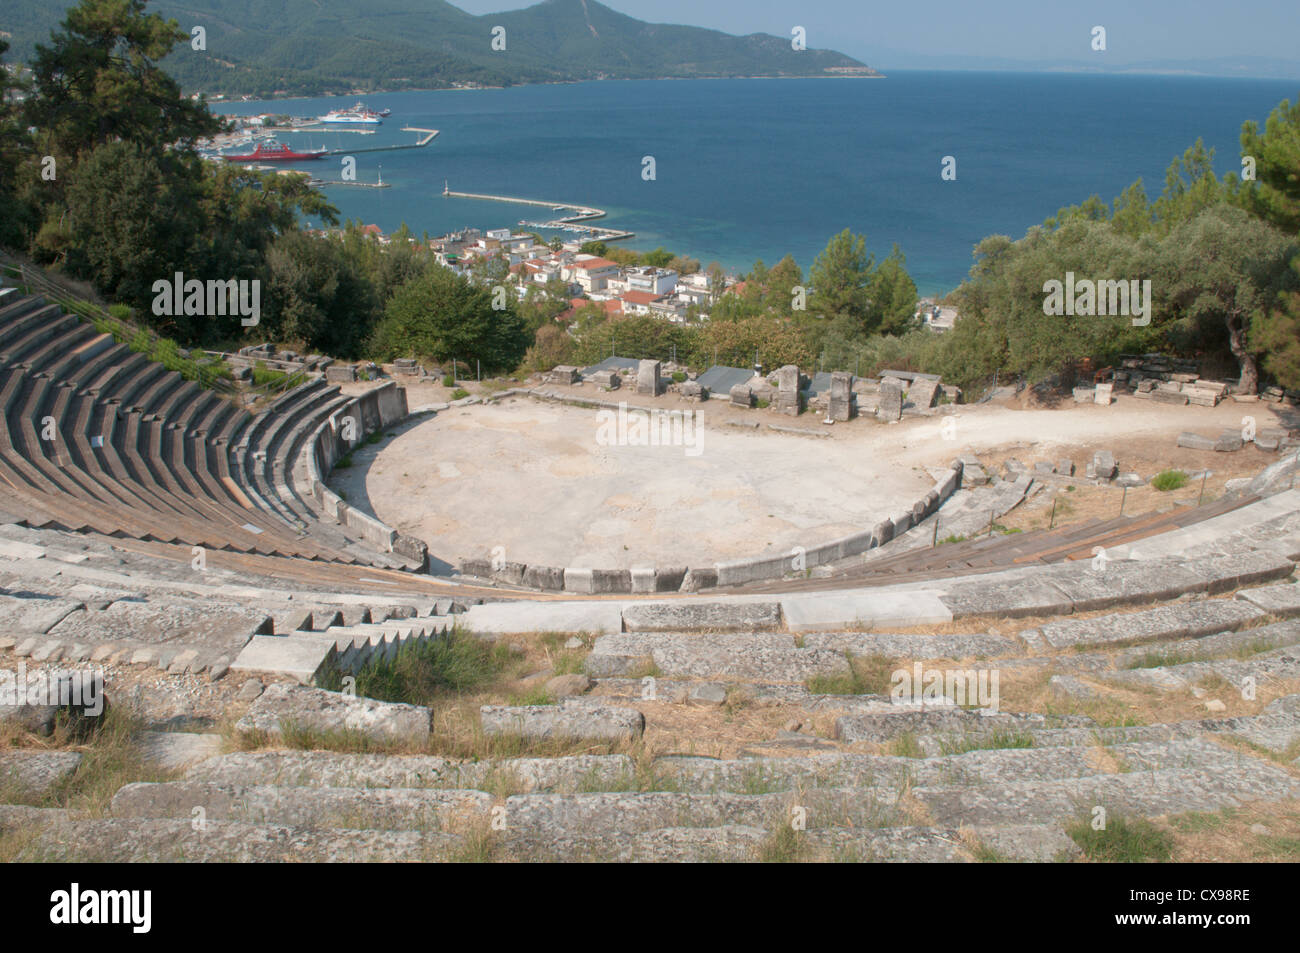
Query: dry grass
[1267,832]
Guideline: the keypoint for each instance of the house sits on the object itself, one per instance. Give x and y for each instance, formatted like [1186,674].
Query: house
[590,273]
[658,281]
[701,280]
[638,302]
[671,307]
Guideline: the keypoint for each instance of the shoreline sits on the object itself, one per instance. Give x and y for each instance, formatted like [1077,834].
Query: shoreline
[479,89]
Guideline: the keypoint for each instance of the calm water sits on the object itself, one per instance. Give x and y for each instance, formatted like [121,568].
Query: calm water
[760,168]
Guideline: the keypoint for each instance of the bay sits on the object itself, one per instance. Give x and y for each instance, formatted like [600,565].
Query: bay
[748,169]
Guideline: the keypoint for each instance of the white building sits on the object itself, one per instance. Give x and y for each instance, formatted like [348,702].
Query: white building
[590,273]
[656,281]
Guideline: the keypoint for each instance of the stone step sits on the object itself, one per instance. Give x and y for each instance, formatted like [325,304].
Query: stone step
[973,768]
[1145,793]
[1149,625]
[154,840]
[1283,601]
[913,646]
[1274,728]
[741,843]
[546,722]
[282,707]
[330,769]
[885,726]
[1275,664]
[175,750]
[34,773]
[713,616]
[391,809]
[538,821]
[769,657]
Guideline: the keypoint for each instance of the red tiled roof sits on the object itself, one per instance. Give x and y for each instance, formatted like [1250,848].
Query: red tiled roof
[594,263]
[639,297]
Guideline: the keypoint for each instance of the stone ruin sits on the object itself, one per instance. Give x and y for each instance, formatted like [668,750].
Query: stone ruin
[607,380]
[649,382]
[843,404]
[563,374]
[890,407]
[924,392]
[742,396]
[693,390]
[297,609]
[341,373]
[787,393]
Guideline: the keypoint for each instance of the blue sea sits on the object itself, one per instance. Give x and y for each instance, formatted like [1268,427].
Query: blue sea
[749,169]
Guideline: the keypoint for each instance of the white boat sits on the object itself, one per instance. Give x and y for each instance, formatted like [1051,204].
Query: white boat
[357,115]
[351,118]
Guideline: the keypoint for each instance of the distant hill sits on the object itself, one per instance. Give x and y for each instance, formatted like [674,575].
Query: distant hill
[317,47]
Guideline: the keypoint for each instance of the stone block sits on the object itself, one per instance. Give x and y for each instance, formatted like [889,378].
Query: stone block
[923,393]
[563,374]
[1105,394]
[1195,441]
[680,616]
[545,722]
[843,403]
[296,656]
[1229,441]
[649,383]
[1104,466]
[890,407]
[544,577]
[697,579]
[317,710]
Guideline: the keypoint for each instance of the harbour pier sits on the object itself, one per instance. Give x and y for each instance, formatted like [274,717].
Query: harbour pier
[569,223]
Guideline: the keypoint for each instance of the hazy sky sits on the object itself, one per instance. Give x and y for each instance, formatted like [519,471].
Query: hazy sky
[1044,30]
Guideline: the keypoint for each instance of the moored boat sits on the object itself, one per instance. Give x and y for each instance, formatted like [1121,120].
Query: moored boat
[275,152]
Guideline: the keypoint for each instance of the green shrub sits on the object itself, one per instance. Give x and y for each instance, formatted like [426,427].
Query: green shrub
[1167,480]
[449,381]
[263,375]
[679,377]
[422,672]
[459,393]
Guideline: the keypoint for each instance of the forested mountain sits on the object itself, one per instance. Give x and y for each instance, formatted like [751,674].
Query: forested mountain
[317,47]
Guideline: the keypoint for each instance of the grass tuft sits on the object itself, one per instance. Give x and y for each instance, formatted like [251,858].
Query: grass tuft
[1124,840]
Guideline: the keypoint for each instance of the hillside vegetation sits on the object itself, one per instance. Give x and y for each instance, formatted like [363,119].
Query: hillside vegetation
[316,47]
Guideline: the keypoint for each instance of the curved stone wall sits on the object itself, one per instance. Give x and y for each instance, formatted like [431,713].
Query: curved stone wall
[732,573]
[372,411]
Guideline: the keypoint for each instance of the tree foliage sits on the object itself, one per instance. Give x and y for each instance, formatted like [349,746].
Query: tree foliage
[441,315]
